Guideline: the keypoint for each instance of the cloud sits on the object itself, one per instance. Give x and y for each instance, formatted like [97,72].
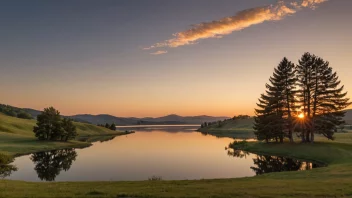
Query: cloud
[158,52]
[240,21]
[307,3]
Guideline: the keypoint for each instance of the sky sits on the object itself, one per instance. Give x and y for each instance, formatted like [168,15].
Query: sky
[156,57]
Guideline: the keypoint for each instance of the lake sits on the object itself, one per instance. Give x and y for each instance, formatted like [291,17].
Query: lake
[167,152]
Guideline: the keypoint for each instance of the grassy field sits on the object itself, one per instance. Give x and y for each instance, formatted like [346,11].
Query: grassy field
[17,137]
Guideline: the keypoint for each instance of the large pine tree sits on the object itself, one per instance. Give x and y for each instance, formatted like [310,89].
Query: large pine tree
[321,97]
[274,115]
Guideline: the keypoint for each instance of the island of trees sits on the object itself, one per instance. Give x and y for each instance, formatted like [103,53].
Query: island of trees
[303,99]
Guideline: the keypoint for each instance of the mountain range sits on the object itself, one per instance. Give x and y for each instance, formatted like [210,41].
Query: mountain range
[105,118]
[169,119]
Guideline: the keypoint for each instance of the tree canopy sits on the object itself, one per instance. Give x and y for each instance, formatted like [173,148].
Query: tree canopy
[50,126]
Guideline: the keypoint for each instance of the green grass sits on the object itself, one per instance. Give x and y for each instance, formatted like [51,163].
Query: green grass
[239,128]
[17,137]
[335,180]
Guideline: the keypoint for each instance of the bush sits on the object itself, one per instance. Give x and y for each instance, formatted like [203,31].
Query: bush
[155,178]
[24,115]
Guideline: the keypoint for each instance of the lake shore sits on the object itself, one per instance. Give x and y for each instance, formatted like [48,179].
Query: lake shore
[17,145]
[331,181]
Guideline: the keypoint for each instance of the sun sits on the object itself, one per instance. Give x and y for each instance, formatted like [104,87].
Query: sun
[301,116]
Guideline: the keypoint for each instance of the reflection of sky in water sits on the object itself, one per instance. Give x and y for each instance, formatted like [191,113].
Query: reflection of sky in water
[138,156]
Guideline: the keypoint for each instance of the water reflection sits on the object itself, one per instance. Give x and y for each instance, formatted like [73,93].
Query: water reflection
[6,170]
[48,165]
[164,128]
[266,164]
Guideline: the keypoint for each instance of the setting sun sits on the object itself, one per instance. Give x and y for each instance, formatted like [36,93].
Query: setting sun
[301,115]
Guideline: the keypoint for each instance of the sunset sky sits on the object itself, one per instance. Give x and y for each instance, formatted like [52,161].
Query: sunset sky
[158,57]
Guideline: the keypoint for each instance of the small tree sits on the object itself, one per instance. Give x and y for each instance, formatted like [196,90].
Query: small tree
[112,127]
[69,129]
[48,125]
[107,126]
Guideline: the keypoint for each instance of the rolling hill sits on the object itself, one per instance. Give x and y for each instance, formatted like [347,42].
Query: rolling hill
[169,119]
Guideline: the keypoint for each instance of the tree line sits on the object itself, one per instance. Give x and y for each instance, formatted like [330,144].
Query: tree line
[305,99]
[108,126]
[51,126]
[221,123]
[14,112]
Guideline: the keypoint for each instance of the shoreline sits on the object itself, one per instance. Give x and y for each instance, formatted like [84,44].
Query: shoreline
[58,145]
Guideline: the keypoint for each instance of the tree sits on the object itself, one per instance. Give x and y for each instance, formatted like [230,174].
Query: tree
[112,127]
[24,115]
[274,112]
[321,97]
[69,129]
[48,125]
[107,126]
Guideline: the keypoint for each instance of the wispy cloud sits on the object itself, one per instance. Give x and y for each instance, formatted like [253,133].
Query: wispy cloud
[228,25]
[159,52]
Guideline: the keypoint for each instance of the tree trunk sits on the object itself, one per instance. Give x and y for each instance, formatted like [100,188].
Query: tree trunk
[281,139]
[312,133]
[307,135]
[290,135]
[303,137]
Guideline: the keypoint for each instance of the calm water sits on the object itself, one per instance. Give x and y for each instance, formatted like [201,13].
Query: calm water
[172,153]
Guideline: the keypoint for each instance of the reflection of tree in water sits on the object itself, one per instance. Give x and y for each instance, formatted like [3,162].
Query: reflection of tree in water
[6,168]
[267,164]
[237,153]
[48,165]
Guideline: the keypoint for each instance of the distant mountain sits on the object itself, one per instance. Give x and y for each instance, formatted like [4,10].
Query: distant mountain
[104,118]
[169,119]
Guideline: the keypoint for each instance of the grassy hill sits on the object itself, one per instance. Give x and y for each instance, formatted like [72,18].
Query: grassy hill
[24,127]
[17,137]
[235,128]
